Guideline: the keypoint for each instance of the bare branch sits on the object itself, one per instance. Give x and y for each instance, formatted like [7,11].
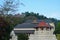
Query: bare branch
[9,6]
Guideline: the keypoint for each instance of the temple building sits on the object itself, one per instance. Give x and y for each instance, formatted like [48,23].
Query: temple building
[37,29]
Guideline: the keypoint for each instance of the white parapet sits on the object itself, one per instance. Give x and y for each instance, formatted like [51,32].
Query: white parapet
[42,35]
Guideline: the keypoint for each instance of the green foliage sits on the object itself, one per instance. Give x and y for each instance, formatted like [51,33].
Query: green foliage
[58,36]
[34,15]
[22,36]
[4,29]
[57,29]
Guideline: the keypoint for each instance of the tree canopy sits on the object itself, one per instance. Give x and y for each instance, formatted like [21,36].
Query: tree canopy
[8,6]
[4,29]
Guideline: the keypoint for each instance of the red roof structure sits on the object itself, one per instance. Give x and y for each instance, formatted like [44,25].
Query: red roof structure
[43,24]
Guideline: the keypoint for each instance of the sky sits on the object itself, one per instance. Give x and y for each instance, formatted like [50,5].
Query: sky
[48,8]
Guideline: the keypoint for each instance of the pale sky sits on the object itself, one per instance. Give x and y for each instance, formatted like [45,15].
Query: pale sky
[49,8]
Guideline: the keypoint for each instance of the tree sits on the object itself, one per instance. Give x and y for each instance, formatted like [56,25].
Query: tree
[34,15]
[9,6]
[22,36]
[57,31]
[4,29]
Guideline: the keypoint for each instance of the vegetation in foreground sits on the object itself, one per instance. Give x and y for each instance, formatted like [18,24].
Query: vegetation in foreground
[58,36]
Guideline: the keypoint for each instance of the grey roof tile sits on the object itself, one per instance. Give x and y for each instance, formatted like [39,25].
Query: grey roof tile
[25,25]
[29,24]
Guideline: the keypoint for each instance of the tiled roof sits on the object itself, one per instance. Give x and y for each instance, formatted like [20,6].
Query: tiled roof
[30,24]
[43,24]
[25,25]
